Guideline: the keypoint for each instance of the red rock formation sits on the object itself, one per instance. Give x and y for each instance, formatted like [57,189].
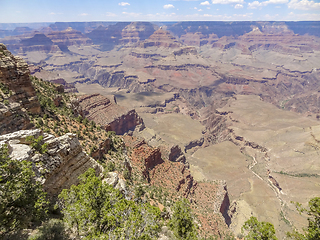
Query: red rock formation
[145,158]
[109,115]
[104,146]
[208,200]
[161,38]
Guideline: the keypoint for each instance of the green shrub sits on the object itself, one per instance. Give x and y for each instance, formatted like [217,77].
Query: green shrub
[22,200]
[110,166]
[126,174]
[36,144]
[258,230]
[54,229]
[312,232]
[6,102]
[93,210]
[181,222]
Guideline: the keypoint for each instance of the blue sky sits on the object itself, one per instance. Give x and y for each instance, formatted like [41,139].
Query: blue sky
[16,11]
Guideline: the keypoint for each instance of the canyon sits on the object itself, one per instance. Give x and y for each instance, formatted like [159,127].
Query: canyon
[236,103]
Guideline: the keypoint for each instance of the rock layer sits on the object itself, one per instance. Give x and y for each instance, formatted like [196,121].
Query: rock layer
[109,115]
[14,74]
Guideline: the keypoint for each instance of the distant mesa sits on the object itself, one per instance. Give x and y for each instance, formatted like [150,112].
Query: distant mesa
[137,31]
[84,27]
[37,39]
[161,38]
[69,37]
[107,35]
[122,33]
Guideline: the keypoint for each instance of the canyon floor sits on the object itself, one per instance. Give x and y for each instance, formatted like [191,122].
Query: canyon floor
[260,183]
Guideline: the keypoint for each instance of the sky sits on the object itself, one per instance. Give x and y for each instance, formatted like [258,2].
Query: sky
[22,11]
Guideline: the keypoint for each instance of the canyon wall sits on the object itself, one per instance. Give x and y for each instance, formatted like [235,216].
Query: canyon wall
[109,115]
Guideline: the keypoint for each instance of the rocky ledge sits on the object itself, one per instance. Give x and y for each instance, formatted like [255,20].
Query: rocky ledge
[60,166]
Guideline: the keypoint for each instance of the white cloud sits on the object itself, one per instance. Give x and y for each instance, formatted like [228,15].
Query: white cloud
[206,3]
[276,1]
[207,15]
[195,8]
[301,17]
[238,6]
[84,14]
[227,1]
[167,6]
[303,5]
[257,4]
[200,10]
[123,4]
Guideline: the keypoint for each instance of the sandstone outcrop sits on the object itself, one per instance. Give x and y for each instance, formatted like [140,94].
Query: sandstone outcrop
[109,115]
[146,158]
[60,166]
[12,118]
[113,179]
[14,74]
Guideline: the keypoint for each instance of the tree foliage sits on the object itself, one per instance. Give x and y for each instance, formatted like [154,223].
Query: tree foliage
[37,144]
[181,222]
[22,200]
[258,230]
[52,230]
[94,210]
[312,232]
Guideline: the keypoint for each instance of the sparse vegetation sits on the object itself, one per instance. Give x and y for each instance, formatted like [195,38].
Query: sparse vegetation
[300,174]
[4,88]
[58,120]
